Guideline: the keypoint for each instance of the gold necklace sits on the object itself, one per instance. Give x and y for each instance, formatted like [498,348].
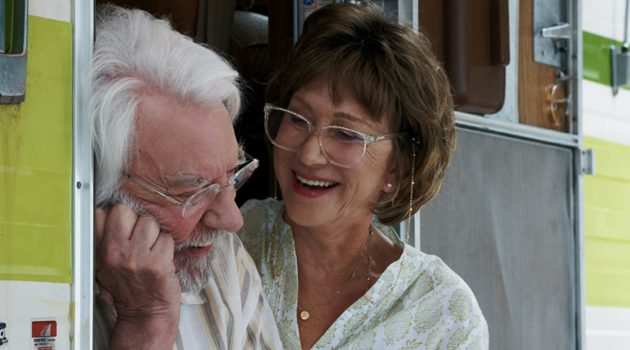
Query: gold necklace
[304,315]
[275,273]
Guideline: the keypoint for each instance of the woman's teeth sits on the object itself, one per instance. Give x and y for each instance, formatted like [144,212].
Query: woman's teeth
[314,183]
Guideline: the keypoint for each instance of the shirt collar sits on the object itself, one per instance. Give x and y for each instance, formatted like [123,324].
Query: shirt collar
[194,298]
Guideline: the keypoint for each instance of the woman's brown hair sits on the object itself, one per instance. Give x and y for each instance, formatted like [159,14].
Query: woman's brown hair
[391,71]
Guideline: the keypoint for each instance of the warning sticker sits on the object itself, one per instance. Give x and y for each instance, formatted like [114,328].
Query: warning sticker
[44,334]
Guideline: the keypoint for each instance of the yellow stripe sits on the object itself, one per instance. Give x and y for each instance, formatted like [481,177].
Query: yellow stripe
[607,225]
[35,162]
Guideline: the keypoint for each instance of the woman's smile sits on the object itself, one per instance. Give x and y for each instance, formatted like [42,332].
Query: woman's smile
[312,187]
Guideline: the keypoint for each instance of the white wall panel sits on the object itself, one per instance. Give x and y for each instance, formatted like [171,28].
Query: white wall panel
[53,9]
[606,117]
[604,18]
[21,303]
[608,328]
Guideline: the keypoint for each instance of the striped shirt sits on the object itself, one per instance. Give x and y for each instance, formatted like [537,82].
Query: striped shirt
[230,312]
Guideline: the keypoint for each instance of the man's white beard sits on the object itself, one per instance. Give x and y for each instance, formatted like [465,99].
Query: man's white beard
[193,272]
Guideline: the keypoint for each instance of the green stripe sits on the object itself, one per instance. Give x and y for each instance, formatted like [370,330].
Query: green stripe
[607,225]
[597,57]
[36,162]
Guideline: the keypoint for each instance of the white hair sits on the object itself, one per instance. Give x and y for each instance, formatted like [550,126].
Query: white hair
[134,52]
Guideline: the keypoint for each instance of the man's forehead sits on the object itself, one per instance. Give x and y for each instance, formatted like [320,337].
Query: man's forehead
[185,139]
[183,177]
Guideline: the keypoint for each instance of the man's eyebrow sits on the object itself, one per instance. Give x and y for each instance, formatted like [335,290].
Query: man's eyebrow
[189,180]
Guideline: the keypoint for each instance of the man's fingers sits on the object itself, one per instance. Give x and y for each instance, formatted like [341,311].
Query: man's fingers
[164,246]
[119,224]
[145,232]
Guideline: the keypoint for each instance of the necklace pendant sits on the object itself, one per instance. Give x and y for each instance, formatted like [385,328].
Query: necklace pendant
[304,315]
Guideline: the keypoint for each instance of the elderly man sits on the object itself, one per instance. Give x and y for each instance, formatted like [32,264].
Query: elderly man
[169,274]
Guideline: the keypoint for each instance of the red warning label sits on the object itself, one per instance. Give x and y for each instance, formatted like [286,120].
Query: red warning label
[44,329]
[44,334]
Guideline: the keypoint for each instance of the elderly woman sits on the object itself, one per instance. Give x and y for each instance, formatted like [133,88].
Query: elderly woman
[361,120]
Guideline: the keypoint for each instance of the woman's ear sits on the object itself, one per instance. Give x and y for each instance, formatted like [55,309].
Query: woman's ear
[390,176]
[397,166]
[399,171]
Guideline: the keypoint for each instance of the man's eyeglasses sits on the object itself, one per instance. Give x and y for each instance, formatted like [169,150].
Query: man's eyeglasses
[342,146]
[206,194]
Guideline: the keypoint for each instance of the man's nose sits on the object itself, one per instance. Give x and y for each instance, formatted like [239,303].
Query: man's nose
[223,213]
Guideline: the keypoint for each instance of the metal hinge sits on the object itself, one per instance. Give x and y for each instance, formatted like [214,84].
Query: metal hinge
[587,162]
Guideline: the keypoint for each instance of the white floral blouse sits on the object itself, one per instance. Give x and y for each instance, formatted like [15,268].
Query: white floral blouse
[417,303]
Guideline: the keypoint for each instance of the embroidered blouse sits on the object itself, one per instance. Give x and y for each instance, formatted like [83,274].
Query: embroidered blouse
[417,303]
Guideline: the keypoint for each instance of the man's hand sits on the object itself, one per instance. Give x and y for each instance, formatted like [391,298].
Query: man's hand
[134,265]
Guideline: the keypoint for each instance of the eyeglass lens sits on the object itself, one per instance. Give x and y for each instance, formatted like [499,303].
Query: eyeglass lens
[288,131]
[203,198]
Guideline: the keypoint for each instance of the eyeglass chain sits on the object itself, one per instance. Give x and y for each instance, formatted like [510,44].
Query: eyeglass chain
[411,186]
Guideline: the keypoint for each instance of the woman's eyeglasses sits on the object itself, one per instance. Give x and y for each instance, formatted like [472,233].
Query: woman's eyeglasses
[342,146]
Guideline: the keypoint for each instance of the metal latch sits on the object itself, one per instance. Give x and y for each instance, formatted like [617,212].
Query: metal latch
[560,31]
[550,45]
[620,66]
[587,162]
[620,59]
[552,30]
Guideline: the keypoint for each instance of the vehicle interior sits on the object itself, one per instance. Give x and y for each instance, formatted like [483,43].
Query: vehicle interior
[471,38]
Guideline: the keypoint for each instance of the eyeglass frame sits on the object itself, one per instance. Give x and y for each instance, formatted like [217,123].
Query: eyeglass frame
[367,138]
[245,172]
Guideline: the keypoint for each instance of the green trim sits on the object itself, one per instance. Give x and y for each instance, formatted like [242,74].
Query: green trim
[606,223]
[36,162]
[597,58]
